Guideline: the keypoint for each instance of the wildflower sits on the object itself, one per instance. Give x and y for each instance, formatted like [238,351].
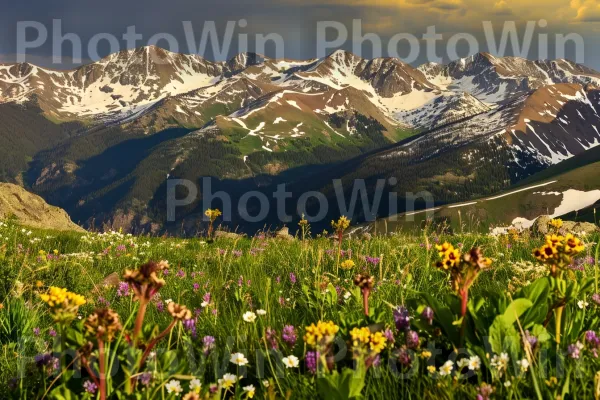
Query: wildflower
[412,339]
[212,214]
[524,364]
[321,334]
[360,336]
[179,312]
[36,331]
[144,281]
[271,337]
[291,361]
[372,260]
[292,278]
[462,363]
[63,304]
[227,381]
[250,390]
[238,359]
[191,396]
[556,223]
[347,264]
[446,369]
[174,386]
[474,363]
[103,324]
[532,340]
[389,336]
[402,318]
[427,314]
[261,312]
[249,316]
[311,361]
[500,363]
[582,304]
[592,338]
[180,274]
[449,255]
[145,378]
[485,392]
[52,332]
[190,325]
[208,344]
[90,387]
[574,350]
[425,354]
[507,384]
[431,369]
[596,298]
[341,225]
[365,283]
[347,295]
[289,335]
[378,342]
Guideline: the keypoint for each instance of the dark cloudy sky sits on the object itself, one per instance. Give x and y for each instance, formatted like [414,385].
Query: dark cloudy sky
[296,22]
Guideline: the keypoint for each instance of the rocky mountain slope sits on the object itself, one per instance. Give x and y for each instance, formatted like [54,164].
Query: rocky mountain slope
[32,210]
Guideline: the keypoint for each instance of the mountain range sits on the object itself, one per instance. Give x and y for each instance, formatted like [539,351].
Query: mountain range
[101,140]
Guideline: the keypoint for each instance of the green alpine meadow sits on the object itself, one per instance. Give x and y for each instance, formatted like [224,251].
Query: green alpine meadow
[414,314]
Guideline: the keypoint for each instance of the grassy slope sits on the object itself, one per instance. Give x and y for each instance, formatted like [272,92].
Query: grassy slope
[580,173]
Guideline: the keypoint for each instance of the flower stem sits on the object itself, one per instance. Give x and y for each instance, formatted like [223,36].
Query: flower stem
[102,362]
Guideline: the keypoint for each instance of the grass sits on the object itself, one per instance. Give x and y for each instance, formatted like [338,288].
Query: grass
[297,283]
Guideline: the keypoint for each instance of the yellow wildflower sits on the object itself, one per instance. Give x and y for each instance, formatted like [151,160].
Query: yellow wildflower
[378,342]
[321,334]
[556,223]
[360,336]
[341,225]
[348,264]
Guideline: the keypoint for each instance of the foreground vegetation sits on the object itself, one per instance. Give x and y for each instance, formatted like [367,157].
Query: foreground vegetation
[470,316]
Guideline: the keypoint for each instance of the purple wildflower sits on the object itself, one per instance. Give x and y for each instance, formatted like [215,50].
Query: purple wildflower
[190,326]
[312,359]
[208,344]
[592,339]
[180,273]
[36,331]
[196,286]
[401,318]
[160,306]
[596,298]
[52,332]
[123,289]
[271,336]
[103,301]
[292,278]
[237,253]
[532,340]
[372,260]
[389,335]
[90,387]
[412,339]
[403,357]
[427,315]
[145,378]
[289,335]
[574,350]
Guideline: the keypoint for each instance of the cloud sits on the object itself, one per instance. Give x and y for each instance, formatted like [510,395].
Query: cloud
[587,11]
